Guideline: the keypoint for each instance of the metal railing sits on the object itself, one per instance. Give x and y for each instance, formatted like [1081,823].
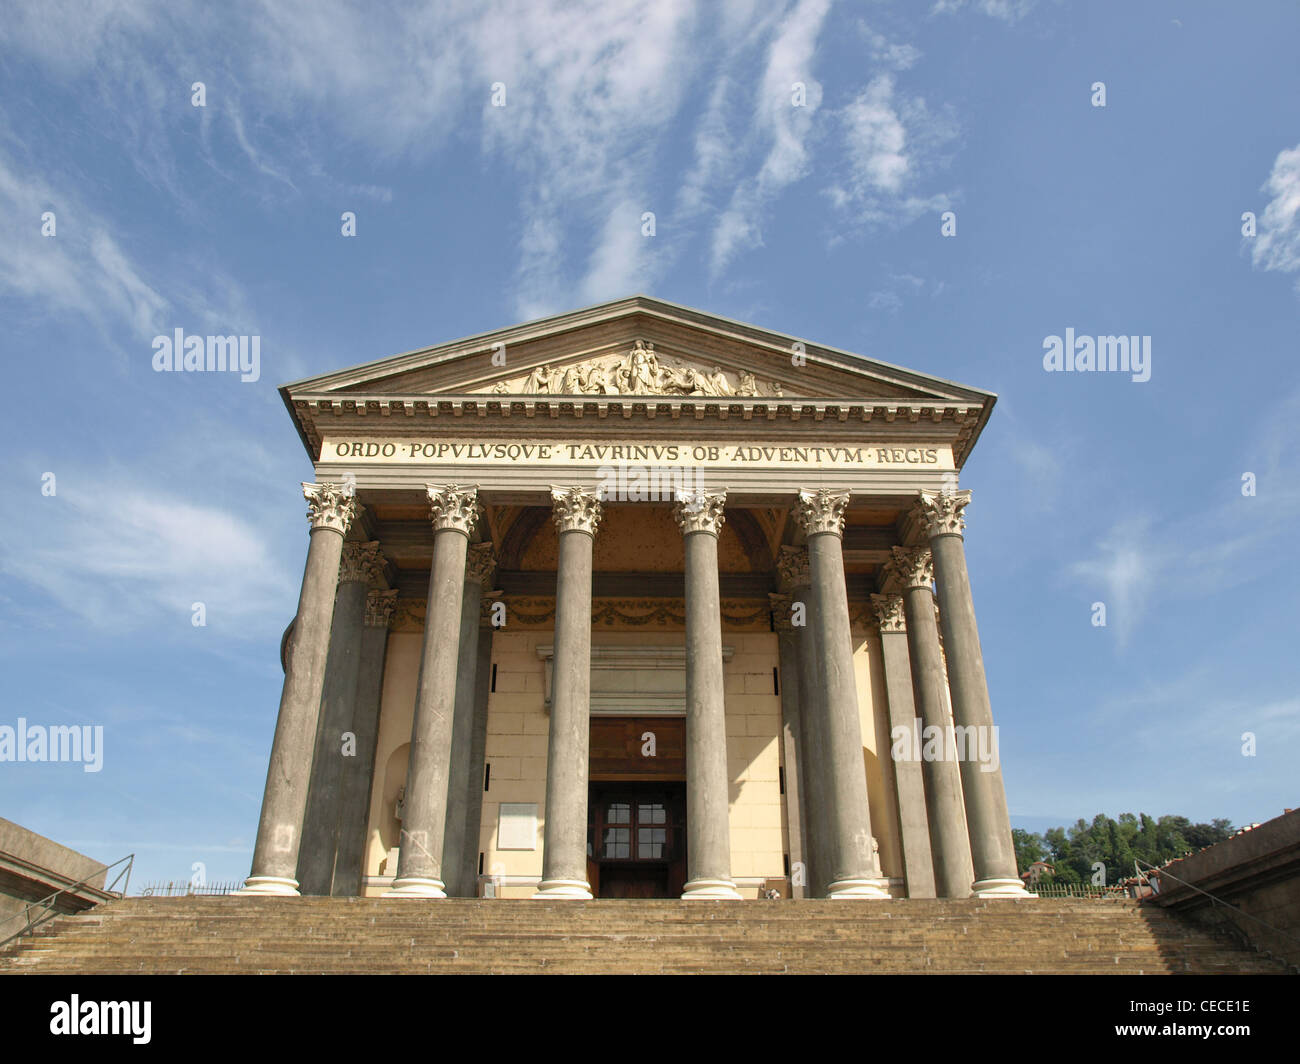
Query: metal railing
[46,905]
[188,889]
[1074,890]
[1215,899]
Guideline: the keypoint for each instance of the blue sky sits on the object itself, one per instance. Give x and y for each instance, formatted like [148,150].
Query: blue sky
[822,221]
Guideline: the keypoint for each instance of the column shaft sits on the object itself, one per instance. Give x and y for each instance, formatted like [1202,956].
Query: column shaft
[812,717]
[320,835]
[795,581]
[992,851]
[359,771]
[477,759]
[708,828]
[419,864]
[850,866]
[564,857]
[284,801]
[792,739]
[911,570]
[909,786]
[453,845]
[320,827]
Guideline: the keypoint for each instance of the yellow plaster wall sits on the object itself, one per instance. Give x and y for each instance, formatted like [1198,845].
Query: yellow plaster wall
[758,818]
[517,730]
[396,712]
[873,712]
[517,749]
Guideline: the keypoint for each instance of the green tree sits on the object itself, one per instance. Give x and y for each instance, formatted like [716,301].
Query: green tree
[1116,844]
[1029,848]
[1201,835]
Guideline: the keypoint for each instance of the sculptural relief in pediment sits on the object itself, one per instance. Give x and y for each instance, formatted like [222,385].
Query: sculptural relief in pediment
[642,371]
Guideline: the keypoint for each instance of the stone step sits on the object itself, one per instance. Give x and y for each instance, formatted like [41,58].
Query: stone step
[231,935]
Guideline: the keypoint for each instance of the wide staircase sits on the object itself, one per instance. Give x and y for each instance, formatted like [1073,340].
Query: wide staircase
[332,935]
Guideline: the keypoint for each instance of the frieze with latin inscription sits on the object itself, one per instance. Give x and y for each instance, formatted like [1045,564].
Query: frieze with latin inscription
[459,452]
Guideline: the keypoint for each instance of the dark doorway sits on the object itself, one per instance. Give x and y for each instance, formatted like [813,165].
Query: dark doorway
[636,839]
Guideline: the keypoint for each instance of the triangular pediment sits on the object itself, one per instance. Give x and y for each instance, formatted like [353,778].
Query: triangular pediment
[635,357]
[637,346]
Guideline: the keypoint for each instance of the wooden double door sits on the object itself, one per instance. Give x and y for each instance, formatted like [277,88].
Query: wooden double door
[636,839]
[636,807]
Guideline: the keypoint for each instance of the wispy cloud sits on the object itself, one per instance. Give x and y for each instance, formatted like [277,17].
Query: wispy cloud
[894,144]
[593,92]
[782,125]
[1277,244]
[80,268]
[1147,558]
[1006,10]
[123,556]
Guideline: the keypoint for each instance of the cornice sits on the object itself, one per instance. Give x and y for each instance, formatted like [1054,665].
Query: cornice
[308,408]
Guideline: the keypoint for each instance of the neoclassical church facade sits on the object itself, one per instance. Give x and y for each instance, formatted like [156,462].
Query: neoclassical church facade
[635,601]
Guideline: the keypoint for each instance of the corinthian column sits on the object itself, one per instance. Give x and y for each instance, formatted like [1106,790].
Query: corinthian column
[992,851]
[911,572]
[850,867]
[284,802]
[795,580]
[455,512]
[359,771]
[480,564]
[564,854]
[909,788]
[362,564]
[708,829]
[792,742]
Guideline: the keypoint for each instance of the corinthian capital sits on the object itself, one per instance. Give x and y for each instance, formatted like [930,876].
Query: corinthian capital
[361,562]
[575,510]
[453,507]
[889,612]
[941,514]
[330,506]
[379,608]
[910,567]
[700,511]
[792,568]
[823,511]
[480,563]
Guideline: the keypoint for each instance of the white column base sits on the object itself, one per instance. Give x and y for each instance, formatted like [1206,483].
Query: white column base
[856,890]
[415,887]
[1000,888]
[710,890]
[563,890]
[269,886]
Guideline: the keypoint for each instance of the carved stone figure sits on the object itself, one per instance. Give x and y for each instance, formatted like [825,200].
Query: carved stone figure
[598,381]
[639,372]
[643,370]
[716,383]
[572,382]
[539,381]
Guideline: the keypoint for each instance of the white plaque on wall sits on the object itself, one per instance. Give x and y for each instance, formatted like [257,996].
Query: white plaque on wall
[517,826]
